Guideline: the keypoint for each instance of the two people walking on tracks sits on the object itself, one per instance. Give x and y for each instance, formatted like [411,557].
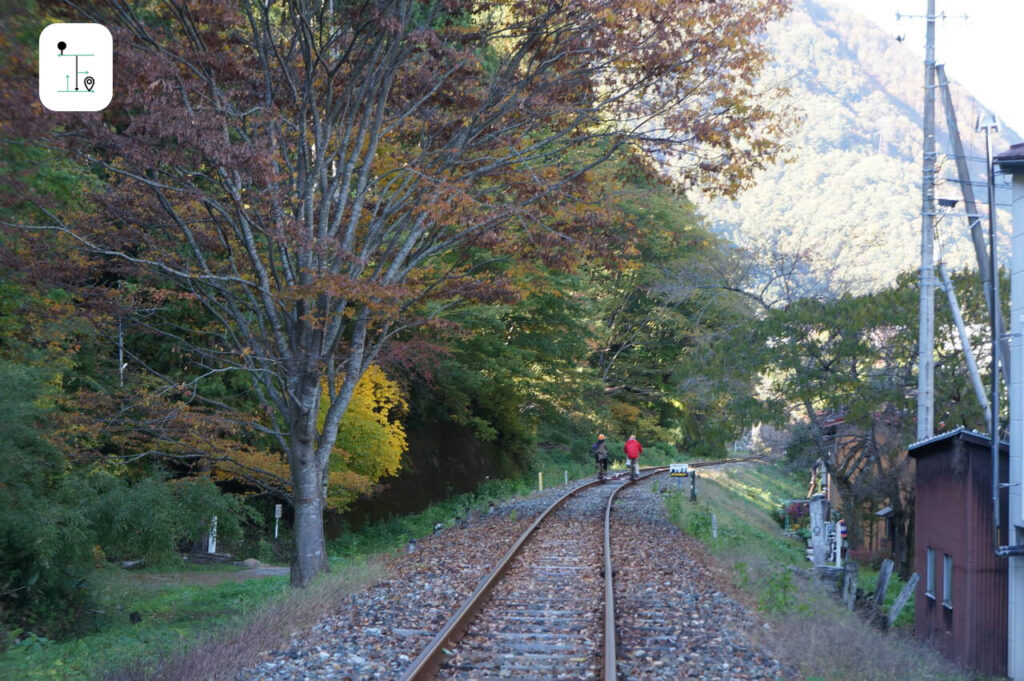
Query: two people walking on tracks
[632,448]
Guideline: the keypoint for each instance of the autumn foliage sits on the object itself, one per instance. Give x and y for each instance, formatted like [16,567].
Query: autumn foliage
[371,438]
[317,178]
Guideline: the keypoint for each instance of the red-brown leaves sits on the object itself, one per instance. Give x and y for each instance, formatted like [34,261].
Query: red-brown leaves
[317,179]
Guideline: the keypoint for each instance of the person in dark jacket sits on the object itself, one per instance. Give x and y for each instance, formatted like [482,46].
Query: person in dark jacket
[632,449]
[600,452]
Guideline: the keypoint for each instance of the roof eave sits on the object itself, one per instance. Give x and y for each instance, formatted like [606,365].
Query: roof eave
[1012,160]
[1010,166]
[917,449]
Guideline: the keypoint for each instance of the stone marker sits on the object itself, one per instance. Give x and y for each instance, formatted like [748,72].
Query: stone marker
[850,585]
[819,532]
[884,574]
[901,600]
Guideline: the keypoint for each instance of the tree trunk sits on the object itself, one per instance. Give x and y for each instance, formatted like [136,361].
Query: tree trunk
[310,547]
[851,512]
[903,533]
[907,544]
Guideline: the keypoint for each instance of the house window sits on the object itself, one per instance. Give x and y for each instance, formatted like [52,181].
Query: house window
[929,573]
[947,580]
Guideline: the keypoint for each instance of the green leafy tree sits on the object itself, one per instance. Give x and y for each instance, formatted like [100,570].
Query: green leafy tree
[844,366]
[666,332]
[152,518]
[847,368]
[45,540]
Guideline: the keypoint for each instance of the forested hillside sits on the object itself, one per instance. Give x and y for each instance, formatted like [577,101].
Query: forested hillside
[430,243]
[843,212]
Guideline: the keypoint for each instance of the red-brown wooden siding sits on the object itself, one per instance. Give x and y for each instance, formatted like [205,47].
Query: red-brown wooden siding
[953,515]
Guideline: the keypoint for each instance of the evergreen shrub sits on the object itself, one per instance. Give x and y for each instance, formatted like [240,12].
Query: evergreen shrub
[154,518]
[45,544]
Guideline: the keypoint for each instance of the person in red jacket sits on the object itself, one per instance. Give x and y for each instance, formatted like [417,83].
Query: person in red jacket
[632,449]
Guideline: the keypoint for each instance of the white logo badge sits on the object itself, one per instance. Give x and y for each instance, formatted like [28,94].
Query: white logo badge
[76,67]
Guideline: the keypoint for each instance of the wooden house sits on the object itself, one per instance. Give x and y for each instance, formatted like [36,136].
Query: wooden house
[961,599]
[878,526]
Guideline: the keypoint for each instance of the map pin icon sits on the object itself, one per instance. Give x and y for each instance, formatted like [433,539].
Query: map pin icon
[89,82]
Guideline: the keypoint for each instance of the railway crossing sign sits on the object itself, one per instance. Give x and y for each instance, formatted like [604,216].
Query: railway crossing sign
[679,470]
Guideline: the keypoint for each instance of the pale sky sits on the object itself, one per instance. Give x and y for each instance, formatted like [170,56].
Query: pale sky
[982,52]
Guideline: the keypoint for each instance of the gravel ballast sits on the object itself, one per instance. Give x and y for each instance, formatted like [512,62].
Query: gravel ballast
[675,616]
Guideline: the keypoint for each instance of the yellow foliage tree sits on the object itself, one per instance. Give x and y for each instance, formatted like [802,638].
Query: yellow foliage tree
[370,444]
[371,438]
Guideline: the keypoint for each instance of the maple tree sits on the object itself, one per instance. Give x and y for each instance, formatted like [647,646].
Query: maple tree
[321,176]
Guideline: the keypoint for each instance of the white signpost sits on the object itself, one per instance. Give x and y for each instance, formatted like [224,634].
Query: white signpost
[211,538]
[278,512]
[679,470]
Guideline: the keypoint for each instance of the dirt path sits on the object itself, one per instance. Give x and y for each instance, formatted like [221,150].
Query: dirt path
[209,578]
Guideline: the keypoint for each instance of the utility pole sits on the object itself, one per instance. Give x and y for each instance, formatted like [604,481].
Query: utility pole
[974,219]
[926,336]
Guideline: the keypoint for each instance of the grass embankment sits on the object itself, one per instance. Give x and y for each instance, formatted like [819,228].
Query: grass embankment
[191,619]
[808,629]
[393,534]
[195,617]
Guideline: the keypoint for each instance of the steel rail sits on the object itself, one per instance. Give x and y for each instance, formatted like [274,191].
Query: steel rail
[425,666]
[610,670]
[429,661]
[721,462]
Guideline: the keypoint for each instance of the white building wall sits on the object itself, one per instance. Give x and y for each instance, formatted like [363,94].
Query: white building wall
[1015,644]
[1015,635]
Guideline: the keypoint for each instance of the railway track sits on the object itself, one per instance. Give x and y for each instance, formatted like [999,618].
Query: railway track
[547,610]
[723,462]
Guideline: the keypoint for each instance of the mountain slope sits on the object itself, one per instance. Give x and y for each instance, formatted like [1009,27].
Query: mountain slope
[843,214]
